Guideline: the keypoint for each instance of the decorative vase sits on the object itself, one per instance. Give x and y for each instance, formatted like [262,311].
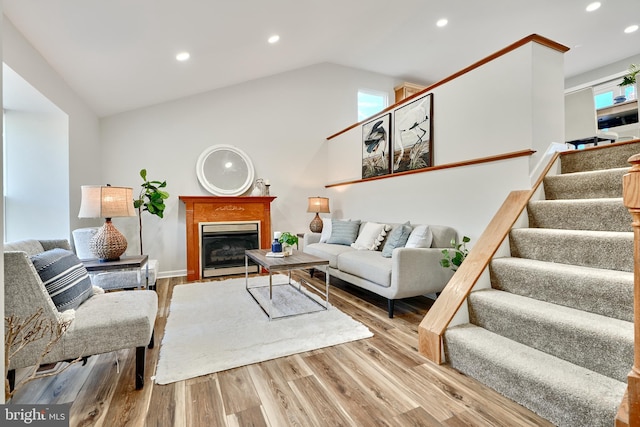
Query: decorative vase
[287,249]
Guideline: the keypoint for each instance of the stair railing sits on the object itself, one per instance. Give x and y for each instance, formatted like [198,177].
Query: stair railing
[439,316]
[629,412]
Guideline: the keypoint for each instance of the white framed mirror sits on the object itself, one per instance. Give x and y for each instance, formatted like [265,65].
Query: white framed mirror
[225,170]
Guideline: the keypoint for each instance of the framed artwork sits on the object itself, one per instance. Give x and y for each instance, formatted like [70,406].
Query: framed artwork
[413,139]
[376,155]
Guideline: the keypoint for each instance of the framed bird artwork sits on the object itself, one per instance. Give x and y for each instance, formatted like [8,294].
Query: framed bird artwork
[413,140]
[376,141]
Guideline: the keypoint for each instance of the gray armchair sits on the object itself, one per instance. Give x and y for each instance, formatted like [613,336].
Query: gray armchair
[105,322]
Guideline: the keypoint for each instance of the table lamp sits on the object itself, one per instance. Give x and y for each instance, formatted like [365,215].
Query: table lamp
[318,205]
[107,202]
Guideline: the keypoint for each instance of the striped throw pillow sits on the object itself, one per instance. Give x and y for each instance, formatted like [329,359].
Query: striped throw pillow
[343,232]
[64,276]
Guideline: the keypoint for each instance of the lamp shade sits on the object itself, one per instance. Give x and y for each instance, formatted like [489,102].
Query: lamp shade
[318,205]
[100,201]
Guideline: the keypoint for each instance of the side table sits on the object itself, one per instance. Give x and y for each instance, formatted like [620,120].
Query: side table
[134,262]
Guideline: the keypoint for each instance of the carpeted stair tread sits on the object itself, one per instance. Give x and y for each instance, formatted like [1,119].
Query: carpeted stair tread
[600,291]
[598,249]
[598,343]
[581,214]
[561,392]
[585,185]
[608,157]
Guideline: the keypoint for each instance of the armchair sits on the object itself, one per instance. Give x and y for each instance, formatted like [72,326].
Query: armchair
[105,322]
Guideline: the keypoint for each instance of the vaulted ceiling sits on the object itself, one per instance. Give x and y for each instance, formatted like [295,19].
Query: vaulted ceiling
[119,55]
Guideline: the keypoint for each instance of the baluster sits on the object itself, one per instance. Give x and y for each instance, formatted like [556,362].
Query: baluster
[631,198]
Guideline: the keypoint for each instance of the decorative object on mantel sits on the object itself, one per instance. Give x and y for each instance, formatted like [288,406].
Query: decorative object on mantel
[318,205]
[151,199]
[225,170]
[258,188]
[376,153]
[413,142]
[107,202]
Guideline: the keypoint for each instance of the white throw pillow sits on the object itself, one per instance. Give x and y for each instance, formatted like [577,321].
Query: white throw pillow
[420,237]
[326,230]
[371,236]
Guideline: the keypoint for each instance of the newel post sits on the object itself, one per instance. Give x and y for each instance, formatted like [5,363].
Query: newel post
[631,198]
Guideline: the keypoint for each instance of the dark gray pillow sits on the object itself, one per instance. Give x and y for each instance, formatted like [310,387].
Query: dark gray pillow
[65,277]
[396,239]
[343,232]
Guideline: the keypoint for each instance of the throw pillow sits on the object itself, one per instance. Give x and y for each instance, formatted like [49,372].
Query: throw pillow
[420,237]
[64,277]
[396,239]
[343,232]
[326,230]
[371,236]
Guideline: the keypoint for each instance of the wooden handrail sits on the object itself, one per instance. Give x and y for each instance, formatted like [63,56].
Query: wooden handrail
[439,316]
[476,161]
[631,199]
[531,38]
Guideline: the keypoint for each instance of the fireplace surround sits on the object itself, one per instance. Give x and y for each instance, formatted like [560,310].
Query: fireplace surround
[220,209]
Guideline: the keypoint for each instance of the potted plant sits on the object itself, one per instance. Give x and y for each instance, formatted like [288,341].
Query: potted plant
[452,258]
[288,240]
[150,199]
[630,77]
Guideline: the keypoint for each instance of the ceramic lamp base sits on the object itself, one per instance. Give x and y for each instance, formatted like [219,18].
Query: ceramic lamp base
[108,243]
[316,224]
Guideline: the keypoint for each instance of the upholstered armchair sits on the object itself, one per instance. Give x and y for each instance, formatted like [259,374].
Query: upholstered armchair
[98,322]
[126,279]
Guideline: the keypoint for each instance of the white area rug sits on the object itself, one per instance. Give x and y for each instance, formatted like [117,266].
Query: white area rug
[214,326]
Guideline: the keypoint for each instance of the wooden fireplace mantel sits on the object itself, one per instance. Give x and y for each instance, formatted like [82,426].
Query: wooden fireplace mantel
[220,209]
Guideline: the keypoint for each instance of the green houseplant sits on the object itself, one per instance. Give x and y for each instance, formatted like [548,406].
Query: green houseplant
[630,77]
[452,258]
[288,240]
[151,199]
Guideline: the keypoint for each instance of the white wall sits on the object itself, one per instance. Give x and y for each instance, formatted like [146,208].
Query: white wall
[37,175]
[281,122]
[480,114]
[84,166]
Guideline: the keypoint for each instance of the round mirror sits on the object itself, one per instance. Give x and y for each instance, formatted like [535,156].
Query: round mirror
[225,170]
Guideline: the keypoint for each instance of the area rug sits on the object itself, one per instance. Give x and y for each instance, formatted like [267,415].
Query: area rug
[215,326]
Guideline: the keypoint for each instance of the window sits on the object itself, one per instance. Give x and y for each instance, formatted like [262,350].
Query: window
[371,102]
[609,93]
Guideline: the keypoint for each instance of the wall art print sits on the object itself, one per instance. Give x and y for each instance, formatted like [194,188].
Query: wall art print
[376,154]
[413,141]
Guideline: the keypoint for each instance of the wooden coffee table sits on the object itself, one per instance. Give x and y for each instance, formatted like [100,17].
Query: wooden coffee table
[298,261]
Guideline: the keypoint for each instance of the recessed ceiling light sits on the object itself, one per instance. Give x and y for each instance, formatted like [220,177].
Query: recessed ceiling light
[442,22]
[274,39]
[631,29]
[593,6]
[183,56]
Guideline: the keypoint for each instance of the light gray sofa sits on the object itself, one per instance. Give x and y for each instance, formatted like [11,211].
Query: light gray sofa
[105,322]
[408,273]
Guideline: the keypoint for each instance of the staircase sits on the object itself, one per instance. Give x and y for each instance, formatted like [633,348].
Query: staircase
[555,330]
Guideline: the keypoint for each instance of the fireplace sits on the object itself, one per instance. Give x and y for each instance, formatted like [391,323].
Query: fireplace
[222,209]
[222,246]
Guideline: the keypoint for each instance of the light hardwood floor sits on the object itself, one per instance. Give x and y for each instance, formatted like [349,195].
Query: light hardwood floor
[380,381]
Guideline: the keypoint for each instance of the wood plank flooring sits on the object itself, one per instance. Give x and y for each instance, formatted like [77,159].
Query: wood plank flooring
[380,381]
